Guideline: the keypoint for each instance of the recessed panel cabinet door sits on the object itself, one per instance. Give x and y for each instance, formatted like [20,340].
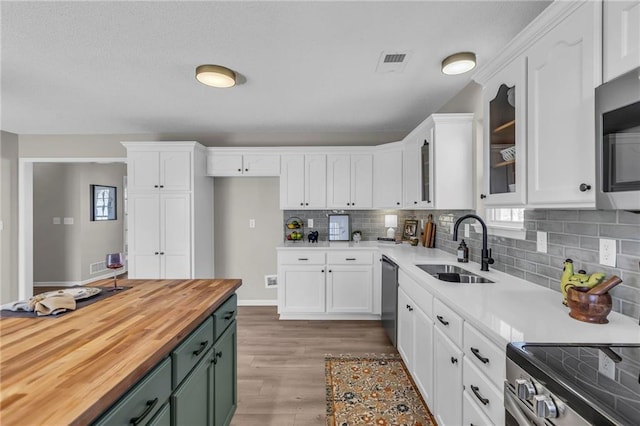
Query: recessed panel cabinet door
[405,328]
[338,181]
[225,393]
[143,170]
[350,288]
[563,71]
[175,235]
[315,181]
[190,402]
[387,179]
[423,354]
[304,289]
[175,170]
[292,182]
[448,381]
[144,236]
[621,37]
[362,181]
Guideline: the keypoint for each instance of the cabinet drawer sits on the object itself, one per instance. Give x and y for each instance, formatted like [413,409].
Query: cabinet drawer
[144,400]
[301,258]
[224,315]
[448,322]
[472,414]
[349,258]
[485,355]
[192,350]
[420,296]
[483,392]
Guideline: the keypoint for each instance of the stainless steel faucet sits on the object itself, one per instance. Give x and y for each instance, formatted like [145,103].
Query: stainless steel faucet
[486,253]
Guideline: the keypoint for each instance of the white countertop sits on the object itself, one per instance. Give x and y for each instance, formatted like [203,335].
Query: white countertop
[508,310]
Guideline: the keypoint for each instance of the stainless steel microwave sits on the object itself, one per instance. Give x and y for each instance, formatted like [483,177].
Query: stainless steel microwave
[618,143]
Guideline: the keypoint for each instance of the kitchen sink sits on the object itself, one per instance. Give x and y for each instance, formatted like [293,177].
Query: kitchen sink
[453,274]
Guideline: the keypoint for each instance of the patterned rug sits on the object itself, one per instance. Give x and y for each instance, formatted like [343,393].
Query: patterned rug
[372,390]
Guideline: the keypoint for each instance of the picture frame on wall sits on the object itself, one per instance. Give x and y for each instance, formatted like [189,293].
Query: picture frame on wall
[410,229]
[104,203]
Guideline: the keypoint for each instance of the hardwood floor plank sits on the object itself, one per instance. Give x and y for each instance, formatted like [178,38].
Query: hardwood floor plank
[281,364]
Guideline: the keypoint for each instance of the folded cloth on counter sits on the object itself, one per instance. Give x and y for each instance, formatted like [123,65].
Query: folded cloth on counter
[55,304]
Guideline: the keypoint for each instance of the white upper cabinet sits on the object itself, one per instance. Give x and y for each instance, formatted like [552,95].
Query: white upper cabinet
[387,178]
[621,37]
[504,104]
[349,181]
[563,71]
[167,169]
[438,166]
[224,163]
[303,181]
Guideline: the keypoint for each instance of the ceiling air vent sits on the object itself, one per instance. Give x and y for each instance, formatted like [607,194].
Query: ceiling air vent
[392,62]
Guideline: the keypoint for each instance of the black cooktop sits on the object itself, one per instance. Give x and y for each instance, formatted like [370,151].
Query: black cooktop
[601,380]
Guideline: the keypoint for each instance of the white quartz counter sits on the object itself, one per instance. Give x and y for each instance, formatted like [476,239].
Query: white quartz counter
[508,310]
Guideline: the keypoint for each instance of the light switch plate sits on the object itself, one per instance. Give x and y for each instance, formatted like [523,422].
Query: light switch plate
[56,221]
[466,230]
[252,223]
[1,225]
[68,221]
[607,252]
[310,223]
[541,241]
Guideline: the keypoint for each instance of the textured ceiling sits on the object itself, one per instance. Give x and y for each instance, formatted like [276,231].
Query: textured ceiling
[305,67]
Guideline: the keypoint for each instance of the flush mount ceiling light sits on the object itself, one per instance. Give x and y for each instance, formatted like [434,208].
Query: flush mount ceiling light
[459,63]
[215,76]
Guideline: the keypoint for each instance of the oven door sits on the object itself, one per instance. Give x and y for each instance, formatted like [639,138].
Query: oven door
[517,413]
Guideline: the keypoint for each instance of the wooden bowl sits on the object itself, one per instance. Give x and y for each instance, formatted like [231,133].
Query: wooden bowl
[586,307]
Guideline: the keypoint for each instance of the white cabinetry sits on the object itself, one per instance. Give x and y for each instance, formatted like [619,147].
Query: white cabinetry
[563,70]
[504,104]
[448,380]
[303,182]
[349,181]
[229,163]
[326,284]
[621,37]
[387,177]
[438,164]
[170,211]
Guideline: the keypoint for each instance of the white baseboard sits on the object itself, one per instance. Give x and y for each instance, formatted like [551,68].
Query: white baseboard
[329,316]
[257,302]
[74,283]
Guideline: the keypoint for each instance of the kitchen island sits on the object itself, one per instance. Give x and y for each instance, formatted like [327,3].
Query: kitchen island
[69,370]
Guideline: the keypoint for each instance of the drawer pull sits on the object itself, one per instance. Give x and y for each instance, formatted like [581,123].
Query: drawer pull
[218,354]
[203,346]
[303,258]
[229,315]
[475,390]
[454,360]
[476,352]
[150,404]
[441,319]
[350,258]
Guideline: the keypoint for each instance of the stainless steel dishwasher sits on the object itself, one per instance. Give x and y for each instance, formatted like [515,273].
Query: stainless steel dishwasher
[389,298]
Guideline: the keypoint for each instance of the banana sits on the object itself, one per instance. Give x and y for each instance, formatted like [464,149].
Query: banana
[595,279]
[567,272]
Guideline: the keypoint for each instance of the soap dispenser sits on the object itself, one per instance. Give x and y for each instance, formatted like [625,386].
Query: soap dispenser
[463,252]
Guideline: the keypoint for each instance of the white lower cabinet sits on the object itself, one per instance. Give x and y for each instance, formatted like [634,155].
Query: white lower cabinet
[448,381]
[484,394]
[349,288]
[303,289]
[472,415]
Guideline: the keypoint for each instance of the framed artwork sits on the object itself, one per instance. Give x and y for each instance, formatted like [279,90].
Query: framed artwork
[103,202]
[339,227]
[410,229]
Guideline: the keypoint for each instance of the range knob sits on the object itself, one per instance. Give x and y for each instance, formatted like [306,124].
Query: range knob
[546,408]
[526,389]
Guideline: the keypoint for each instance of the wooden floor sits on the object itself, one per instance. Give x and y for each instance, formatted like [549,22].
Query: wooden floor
[281,364]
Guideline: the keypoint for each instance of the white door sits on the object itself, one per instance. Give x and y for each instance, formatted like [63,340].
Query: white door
[621,37]
[261,165]
[315,181]
[405,328]
[338,181]
[175,235]
[175,170]
[144,236]
[224,164]
[350,289]
[387,179]
[361,181]
[303,289]
[143,170]
[563,70]
[448,381]
[411,175]
[292,182]
[423,354]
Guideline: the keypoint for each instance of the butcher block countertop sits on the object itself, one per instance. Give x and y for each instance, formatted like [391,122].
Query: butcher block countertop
[68,370]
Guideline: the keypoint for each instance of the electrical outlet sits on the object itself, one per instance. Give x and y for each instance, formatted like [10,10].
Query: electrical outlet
[606,366]
[56,221]
[252,223]
[67,221]
[466,230]
[607,252]
[310,223]
[541,241]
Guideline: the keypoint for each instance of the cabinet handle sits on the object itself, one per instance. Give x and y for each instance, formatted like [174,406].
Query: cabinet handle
[349,258]
[410,309]
[203,346]
[150,404]
[218,354]
[156,253]
[322,271]
[353,204]
[441,319]
[476,352]
[229,315]
[584,187]
[475,390]
[302,204]
[303,258]
[482,196]
[397,203]
[454,360]
[155,186]
[161,186]
[408,306]
[348,204]
[239,170]
[415,202]
[246,170]
[161,253]
[330,270]
[306,204]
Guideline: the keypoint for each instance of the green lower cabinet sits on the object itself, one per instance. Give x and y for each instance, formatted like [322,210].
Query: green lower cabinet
[224,383]
[163,418]
[190,401]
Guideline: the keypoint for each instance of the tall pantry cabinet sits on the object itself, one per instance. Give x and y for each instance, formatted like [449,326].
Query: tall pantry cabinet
[170,211]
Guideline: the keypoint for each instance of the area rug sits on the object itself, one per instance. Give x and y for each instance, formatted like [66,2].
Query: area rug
[372,390]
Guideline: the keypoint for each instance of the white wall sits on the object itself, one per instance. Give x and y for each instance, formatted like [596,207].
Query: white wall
[242,252]
[9,217]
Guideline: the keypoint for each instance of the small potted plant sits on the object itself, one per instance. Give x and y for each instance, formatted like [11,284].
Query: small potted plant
[356,236]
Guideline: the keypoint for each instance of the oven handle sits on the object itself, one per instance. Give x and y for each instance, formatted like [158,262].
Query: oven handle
[512,405]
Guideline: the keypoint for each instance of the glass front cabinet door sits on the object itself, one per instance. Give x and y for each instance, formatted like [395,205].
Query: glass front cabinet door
[505,136]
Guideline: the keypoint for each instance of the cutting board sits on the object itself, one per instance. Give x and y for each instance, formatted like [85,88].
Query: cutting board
[429,232]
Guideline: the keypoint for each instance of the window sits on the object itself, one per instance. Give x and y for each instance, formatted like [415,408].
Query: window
[506,222]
